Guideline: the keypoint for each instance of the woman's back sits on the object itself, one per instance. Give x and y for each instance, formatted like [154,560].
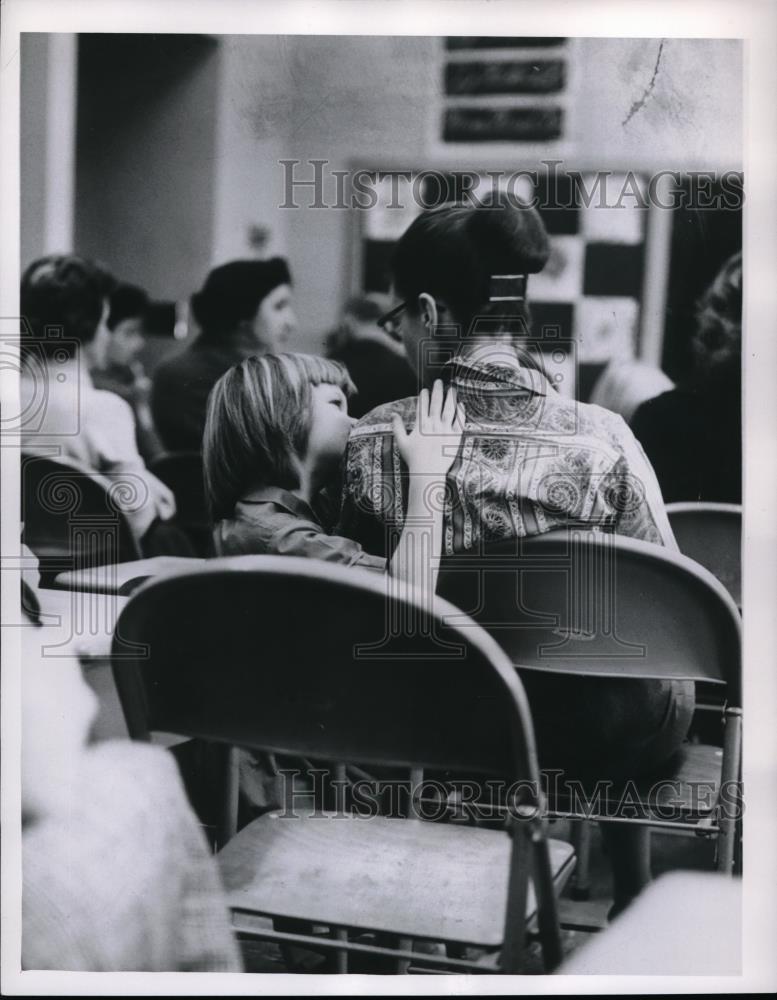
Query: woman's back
[531,461]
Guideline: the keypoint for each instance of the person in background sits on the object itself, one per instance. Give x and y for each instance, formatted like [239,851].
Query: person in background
[531,461]
[123,372]
[624,385]
[116,872]
[244,308]
[375,359]
[65,304]
[693,434]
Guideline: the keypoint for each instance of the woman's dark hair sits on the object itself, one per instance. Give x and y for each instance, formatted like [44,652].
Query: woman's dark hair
[453,252]
[62,292]
[258,423]
[717,342]
[127,302]
[233,292]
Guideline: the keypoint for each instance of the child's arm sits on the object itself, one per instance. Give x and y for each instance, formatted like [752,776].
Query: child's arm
[428,451]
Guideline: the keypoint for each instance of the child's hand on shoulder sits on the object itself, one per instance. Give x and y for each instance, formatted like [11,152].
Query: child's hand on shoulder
[431,447]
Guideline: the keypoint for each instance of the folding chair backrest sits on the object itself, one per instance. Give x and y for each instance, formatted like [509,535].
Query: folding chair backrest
[600,604]
[297,656]
[711,534]
[71,520]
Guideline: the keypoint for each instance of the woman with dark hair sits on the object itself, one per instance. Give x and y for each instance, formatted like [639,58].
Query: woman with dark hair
[530,461]
[693,434]
[244,308]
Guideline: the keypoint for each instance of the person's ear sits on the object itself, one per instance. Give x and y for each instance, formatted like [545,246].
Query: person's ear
[427,308]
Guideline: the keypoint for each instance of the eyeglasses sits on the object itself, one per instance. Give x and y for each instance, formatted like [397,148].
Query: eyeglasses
[388,320]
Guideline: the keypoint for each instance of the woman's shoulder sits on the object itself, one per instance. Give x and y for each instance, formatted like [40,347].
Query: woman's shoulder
[379,419]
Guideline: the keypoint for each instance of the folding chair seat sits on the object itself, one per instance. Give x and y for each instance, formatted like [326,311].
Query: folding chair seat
[299,657]
[579,603]
[426,881]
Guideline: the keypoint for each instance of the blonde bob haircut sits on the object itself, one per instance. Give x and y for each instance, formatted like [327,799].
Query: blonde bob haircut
[258,424]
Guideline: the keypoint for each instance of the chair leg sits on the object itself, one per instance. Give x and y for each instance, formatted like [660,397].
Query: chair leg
[547,906]
[228,826]
[726,846]
[403,964]
[628,849]
[581,840]
[730,805]
[738,847]
[342,954]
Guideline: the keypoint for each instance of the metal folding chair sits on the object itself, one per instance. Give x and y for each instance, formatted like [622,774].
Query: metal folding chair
[72,518]
[711,534]
[305,658]
[587,604]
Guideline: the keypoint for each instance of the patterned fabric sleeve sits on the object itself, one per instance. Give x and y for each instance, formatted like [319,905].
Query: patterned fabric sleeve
[372,508]
[637,500]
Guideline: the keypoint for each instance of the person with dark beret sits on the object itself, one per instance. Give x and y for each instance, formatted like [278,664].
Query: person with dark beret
[244,308]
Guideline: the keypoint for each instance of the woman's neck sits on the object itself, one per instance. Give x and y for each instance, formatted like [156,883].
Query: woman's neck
[480,350]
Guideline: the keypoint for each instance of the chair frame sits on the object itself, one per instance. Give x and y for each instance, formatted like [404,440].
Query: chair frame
[144,708]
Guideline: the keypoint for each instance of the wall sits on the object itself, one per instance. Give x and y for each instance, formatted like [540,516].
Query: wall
[691,118]
[376,111]
[47,143]
[372,100]
[254,107]
[174,170]
[145,169]
[32,134]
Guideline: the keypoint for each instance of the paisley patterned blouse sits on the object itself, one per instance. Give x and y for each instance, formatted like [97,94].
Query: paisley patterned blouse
[530,461]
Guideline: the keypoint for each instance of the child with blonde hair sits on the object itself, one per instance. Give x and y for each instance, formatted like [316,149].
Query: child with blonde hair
[275,436]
